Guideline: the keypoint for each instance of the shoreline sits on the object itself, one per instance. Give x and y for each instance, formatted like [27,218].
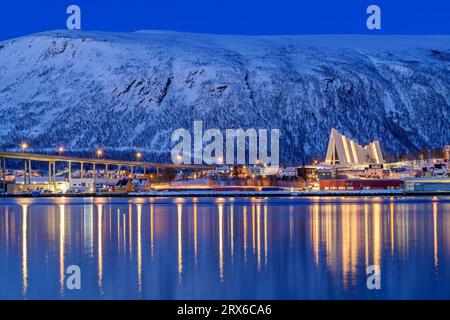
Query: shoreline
[241,194]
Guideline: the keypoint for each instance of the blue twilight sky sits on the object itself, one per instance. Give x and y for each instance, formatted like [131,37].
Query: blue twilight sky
[230,16]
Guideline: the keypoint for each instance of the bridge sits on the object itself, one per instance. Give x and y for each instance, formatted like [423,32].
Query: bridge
[95,162]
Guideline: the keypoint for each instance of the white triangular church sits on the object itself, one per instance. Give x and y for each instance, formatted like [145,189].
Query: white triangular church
[343,151]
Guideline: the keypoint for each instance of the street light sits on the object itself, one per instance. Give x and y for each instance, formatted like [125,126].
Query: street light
[139,156]
[24,146]
[61,149]
[99,153]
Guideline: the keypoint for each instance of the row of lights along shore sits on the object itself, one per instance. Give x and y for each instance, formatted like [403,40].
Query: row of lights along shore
[99,152]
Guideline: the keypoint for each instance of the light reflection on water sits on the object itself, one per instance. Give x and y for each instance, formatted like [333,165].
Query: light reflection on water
[233,248]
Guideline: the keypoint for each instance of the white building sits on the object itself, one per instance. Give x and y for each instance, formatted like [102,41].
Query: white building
[89,185]
[82,185]
[345,152]
[255,170]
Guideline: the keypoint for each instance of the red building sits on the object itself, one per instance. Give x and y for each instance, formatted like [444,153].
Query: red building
[360,184]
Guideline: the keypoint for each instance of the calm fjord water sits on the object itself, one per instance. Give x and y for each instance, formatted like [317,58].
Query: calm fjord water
[231,248]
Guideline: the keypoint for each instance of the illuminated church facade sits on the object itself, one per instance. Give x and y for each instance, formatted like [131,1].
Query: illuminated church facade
[343,151]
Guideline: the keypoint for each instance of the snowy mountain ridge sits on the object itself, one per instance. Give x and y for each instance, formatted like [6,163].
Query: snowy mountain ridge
[129,91]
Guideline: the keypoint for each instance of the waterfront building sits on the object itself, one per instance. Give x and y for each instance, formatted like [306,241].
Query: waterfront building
[360,184]
[436,170]
[426,183]
[82,185]
[37,186]
[323,174]
[289,172]
[255,171]
[225,170]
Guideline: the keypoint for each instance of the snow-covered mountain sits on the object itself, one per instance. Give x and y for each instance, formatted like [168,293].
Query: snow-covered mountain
[128,91]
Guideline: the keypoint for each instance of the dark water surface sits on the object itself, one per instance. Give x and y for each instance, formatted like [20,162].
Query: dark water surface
[233,248]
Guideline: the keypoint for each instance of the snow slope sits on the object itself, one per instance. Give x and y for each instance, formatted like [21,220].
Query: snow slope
[128,91]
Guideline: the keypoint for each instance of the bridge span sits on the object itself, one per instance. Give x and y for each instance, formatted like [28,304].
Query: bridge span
[95,162]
